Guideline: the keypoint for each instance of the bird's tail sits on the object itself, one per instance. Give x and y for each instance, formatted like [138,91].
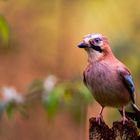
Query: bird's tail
[133,112]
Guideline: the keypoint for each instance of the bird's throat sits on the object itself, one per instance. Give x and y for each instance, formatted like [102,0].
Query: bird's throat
[94,56]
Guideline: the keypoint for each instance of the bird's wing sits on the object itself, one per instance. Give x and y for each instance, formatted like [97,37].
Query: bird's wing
[127,81]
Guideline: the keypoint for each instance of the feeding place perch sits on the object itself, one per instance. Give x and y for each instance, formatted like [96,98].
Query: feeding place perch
[119,131]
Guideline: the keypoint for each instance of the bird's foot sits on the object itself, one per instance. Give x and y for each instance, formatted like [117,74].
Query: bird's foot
[99,119]
[124,120]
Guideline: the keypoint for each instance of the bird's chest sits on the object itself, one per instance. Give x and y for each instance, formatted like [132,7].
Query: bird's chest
[101,77]
[104,84]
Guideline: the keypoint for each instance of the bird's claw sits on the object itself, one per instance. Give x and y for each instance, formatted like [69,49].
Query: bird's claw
[99,119]
[124,120]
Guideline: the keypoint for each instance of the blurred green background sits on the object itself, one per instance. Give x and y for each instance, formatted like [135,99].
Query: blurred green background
[40,37]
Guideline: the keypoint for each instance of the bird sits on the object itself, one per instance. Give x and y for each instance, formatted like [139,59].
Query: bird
[108,79]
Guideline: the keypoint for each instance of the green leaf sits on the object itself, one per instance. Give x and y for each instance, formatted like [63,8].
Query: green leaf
[4,31]
[52,103]
[85,93]
[10,109]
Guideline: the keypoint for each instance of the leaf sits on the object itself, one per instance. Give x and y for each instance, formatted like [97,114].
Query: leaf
[85,93]
[52,103]
[4,31]
[10,109]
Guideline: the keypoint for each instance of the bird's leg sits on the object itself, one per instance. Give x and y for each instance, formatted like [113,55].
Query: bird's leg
[124,119]
[100,117]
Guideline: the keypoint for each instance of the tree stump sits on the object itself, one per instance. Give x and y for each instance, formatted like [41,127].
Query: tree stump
[119,131]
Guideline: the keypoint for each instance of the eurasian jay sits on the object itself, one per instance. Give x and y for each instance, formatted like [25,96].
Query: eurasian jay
[108,79]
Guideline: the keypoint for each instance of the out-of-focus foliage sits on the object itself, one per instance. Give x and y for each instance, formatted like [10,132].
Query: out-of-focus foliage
[4,33]
[10,109]
[70,96]
[36,85]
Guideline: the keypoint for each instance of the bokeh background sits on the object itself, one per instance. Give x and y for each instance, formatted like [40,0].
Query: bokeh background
[40,37]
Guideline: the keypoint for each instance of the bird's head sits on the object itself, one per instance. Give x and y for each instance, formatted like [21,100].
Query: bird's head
[96,46]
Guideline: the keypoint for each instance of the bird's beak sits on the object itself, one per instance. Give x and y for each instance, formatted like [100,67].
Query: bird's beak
[83,45]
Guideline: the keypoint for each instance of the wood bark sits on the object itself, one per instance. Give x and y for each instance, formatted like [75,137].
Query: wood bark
[119,131]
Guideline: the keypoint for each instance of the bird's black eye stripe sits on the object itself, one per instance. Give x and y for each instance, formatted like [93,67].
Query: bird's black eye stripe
[97,48]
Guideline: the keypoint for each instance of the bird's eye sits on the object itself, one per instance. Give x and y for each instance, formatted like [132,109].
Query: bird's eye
[97,40]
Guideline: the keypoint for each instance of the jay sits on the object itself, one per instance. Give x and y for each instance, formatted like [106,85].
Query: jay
[108,79]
